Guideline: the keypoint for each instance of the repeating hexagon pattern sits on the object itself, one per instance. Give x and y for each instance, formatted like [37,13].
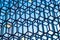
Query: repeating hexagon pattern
[29,19]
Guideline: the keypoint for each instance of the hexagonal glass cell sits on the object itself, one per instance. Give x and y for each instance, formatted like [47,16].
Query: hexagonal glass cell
[55,37]
[58,27]
[7,35]
[24,29]
[29,33]
[33,38]
[20,29]
[35,29]
[40,33]
[30,28]
[44,37]
[24,38]
[14,30]
[30,1]
[50,32]
[51,18]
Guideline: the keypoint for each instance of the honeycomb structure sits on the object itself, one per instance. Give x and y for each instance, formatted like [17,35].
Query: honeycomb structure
[29,19]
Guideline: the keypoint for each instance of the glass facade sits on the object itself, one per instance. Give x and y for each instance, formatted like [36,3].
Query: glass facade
[29,19]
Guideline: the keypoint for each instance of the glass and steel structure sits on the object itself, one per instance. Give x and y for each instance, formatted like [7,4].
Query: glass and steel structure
[29,19]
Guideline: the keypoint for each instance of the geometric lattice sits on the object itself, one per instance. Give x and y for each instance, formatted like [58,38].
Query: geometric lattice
[29,19]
